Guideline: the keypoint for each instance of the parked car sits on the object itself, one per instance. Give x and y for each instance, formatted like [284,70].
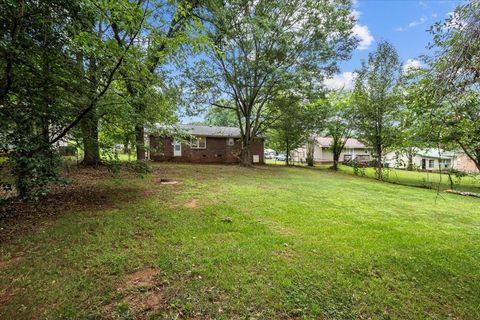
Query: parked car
[269,154]
[281,157]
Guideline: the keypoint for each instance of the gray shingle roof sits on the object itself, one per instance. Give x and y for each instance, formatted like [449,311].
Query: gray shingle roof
[208,131]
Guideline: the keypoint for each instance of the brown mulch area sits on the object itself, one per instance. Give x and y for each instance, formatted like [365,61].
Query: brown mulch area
[84,192]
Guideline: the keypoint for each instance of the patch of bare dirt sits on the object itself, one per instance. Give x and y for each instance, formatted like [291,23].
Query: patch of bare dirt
[286,253]
[141,293]
[10,262]
[191,204]
[140,304]
[7,294]
[84,193]
[142,278]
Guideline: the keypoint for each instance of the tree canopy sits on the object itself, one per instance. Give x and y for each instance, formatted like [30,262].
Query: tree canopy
[263,49]
[377,100]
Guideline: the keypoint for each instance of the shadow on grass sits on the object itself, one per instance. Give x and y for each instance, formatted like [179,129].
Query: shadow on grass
[87,193]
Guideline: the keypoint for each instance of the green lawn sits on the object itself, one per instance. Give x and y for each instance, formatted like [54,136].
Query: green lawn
[429,180]
[424,179]
[230,242]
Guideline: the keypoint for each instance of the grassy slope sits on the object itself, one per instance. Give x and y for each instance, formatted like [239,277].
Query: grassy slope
[302,243]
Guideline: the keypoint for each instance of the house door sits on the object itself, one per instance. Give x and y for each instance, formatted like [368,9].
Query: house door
[177,149]
[424,164]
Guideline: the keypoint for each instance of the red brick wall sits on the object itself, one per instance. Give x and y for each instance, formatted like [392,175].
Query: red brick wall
[217,151]
[464,163]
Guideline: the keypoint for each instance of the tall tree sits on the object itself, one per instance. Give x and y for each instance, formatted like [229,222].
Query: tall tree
[453,82]
[221,117]
[261,49]
[377,101]
[169,27]
[289,131]
[339,123]
[40,72]
[415,123]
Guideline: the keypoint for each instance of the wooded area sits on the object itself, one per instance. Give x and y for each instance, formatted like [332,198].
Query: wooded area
[100,73]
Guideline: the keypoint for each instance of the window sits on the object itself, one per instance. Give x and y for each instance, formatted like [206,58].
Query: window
[230,142]
[431,163]
[199,143]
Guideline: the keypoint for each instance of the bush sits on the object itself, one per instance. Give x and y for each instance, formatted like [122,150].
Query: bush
[141,168]
[35,173]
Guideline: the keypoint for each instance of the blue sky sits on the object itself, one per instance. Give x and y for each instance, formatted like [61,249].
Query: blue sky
[402,22]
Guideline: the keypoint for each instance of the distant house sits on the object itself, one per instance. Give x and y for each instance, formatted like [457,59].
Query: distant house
[423,159]
[465,164]
[206,144]
[353,150]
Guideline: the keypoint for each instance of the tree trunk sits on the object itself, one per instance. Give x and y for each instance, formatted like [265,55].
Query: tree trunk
[21,169]
[287,155]
[140,141]
[246,155]
[410,159]
[126,146]
[379,172]
[477,162]
[246,152]
[336,156]
[89,128]
[310,152]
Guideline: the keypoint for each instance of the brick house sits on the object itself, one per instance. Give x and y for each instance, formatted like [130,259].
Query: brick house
[207,144]
[465,164]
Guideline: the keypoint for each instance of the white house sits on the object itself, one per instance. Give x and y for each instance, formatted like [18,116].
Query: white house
[424,159]
[353,149]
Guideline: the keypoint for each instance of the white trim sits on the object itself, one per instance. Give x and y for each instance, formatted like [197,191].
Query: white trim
[177,153]
[197,145]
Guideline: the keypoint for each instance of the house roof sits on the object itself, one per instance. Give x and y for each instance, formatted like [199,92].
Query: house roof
[351,143]
[208,131]
[435,153]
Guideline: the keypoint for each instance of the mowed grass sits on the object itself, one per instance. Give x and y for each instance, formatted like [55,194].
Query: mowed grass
[422,179]
[265,243]
[433,180]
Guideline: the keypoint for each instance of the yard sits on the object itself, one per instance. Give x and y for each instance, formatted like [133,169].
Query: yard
[432,180]
[421,179]
[228,242]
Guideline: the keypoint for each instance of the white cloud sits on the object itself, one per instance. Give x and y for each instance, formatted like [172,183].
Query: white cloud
[361,32]
[422,4]
[355,14]
[413,24]
[363,35]
[340,81]
[411,64]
